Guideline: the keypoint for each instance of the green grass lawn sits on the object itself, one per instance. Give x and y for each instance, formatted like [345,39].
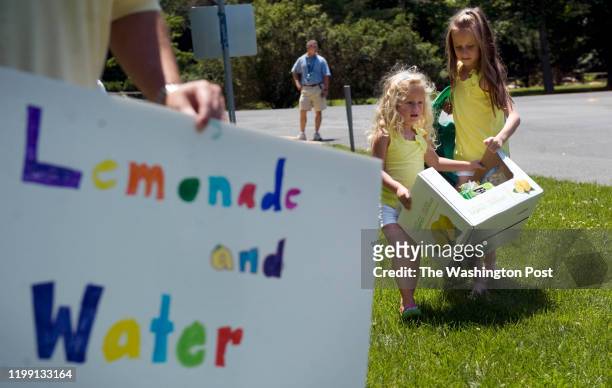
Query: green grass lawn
[516,338]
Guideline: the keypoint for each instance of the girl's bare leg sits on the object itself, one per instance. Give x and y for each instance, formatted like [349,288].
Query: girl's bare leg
[480,284]
[394,234]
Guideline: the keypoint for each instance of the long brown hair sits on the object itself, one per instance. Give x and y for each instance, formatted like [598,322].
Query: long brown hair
[493,71]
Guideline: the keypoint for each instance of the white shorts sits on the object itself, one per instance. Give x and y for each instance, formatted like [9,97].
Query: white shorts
[387,215]
[464,173]
[311,97]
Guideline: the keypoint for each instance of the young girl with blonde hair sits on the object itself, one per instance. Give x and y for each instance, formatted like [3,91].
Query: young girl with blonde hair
[403,138]
[483,111]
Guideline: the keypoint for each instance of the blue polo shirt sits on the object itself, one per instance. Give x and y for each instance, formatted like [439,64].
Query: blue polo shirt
[312,69]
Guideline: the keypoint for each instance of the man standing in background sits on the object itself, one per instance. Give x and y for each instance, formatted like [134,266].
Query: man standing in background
[311,77]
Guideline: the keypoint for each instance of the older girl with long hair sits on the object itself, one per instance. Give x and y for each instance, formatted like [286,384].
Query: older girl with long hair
[484,114]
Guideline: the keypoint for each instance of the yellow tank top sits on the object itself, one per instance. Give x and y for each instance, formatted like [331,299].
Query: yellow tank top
[405,159]
[474,118]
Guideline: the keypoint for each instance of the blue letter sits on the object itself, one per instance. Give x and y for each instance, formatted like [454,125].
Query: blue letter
[219,183]
[251,257]
[273,199]
[48,332]
[44,174]
[162,327]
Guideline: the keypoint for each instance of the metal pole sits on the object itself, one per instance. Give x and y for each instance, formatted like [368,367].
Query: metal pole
[227,64]
[349,114]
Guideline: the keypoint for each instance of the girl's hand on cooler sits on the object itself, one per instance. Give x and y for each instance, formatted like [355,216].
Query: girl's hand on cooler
[403,194]
[447,107]
[476,165]
[493,143]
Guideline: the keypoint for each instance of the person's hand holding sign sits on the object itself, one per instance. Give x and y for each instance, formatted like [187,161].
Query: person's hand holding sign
[141,44]
[200,99]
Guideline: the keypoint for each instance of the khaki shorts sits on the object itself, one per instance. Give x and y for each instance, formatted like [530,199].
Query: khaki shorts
[311,97]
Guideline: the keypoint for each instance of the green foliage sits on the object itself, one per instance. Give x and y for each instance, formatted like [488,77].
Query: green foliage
[368,48]
[282,31]
[115,79]
[363,39]
[359,52]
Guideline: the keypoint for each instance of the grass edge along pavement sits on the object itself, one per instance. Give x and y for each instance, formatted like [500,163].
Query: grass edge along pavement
[518,337]
[517,92]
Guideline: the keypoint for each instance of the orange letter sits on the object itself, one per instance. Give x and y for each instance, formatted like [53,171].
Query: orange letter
[150,175]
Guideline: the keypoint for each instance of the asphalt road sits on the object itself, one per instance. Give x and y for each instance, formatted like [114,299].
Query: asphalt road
[566,136]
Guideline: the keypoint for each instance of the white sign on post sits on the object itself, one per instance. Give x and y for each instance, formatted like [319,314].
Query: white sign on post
[206,37]
[145,254]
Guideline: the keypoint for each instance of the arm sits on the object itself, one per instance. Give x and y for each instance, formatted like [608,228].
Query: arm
[296,81]
[379,150]
[443,164]
[513,120]
[296,74]
[325,86]
[326,78]
[141,45]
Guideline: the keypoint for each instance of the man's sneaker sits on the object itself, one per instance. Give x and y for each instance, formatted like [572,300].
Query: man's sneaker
[301,136]
[317,137]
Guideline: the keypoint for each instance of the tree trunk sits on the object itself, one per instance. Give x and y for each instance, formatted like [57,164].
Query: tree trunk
[549,87]
[545,51]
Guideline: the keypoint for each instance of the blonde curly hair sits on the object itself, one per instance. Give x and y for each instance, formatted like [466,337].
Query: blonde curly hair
[396,86]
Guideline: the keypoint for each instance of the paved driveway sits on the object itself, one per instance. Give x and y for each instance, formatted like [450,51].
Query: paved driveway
[566,136]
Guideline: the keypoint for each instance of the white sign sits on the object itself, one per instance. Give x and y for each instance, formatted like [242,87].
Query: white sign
[206,36]
[145,254]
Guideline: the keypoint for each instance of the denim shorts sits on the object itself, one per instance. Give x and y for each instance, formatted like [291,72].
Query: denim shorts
[387,215]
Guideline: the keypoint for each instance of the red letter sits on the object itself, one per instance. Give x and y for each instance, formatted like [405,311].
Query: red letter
[150,175]
[247,195]
[224,336]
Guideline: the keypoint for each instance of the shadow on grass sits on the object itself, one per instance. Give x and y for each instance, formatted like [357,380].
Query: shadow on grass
[578,259]
[498,308]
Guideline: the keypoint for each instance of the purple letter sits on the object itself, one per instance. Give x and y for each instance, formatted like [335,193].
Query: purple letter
[42,173]
[273,265]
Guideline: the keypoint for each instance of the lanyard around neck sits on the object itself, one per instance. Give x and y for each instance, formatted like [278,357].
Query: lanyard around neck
[310,66]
